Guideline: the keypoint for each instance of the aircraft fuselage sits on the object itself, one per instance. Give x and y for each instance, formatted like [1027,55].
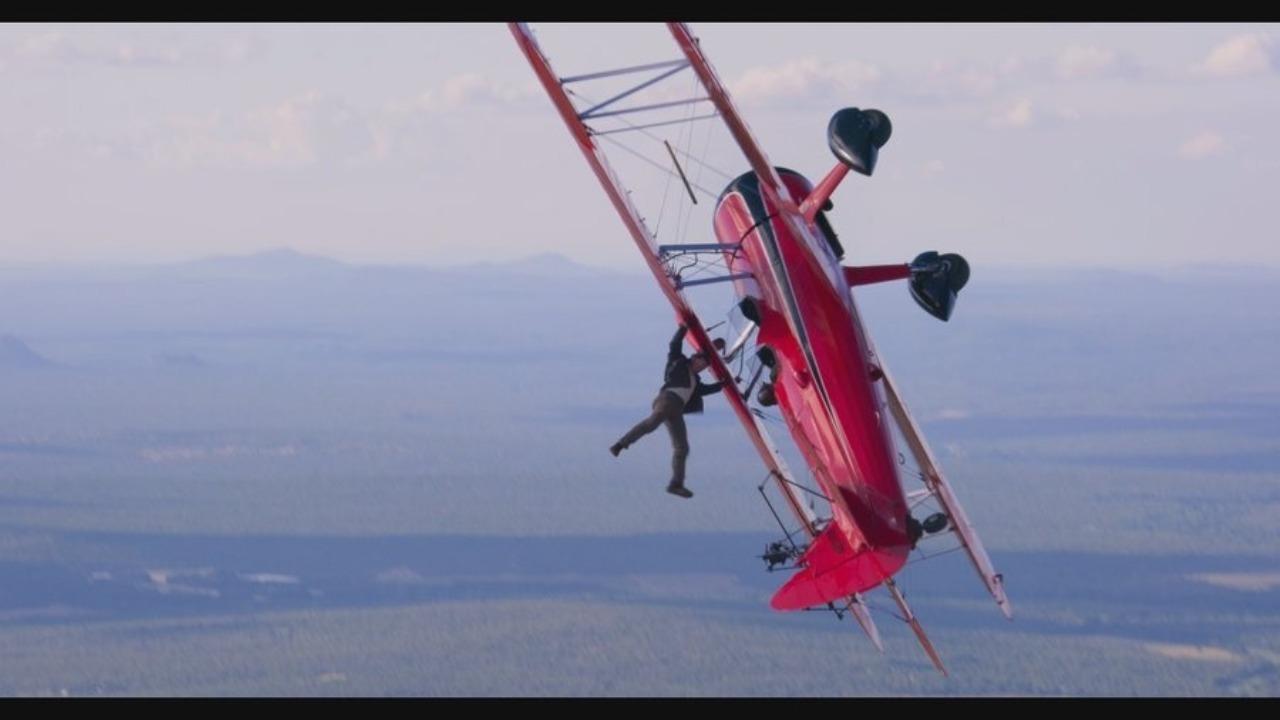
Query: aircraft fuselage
[827,378]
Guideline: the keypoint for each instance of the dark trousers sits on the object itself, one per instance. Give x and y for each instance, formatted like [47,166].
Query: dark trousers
[668,410]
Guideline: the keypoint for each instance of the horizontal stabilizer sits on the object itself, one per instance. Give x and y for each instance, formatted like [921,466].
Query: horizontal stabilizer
[833,570]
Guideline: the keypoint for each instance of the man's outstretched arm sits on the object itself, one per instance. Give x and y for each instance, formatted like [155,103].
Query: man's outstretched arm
[677,343]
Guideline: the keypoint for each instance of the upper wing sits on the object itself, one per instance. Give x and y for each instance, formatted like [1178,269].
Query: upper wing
[645,240]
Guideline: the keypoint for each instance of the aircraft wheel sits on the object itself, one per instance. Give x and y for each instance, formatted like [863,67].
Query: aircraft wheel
[936,523]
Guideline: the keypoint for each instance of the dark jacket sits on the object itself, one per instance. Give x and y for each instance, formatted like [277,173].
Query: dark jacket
[677,374]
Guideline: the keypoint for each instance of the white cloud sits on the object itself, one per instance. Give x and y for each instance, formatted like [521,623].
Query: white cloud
[409,129]
[803,80]
[1017,115]
[953,81]
[312,127]
[95,49]
[1202,145]
[1068,114]
[811,79]
[1248,54]
[948,81]
[134,49]
[125,53]
[42,45]
[307,129]
[1076,62]
[475,90]
[241,48]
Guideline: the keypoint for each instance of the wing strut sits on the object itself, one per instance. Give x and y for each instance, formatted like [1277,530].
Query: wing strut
[911,620]
[862,614]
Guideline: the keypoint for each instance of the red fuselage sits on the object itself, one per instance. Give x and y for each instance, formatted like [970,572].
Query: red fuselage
[827,375]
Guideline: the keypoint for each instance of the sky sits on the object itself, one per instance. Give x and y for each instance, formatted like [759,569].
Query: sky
[1124,146]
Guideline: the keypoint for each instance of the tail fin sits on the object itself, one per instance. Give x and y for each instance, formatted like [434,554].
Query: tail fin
[833,570]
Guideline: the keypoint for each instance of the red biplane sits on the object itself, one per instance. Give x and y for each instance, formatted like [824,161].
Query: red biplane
[810,356]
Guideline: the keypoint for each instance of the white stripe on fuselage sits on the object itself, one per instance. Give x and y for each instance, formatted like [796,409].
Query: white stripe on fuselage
[777,264]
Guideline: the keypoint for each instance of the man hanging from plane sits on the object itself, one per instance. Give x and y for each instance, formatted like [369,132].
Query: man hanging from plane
[681,393]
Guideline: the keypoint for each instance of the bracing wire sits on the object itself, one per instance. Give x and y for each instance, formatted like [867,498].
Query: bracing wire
[644,131]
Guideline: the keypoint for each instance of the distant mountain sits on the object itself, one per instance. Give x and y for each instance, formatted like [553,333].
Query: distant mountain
[549,265]
[284,263]
[16,354]
[271,263]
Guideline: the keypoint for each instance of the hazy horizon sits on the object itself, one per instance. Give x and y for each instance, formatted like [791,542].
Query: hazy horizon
[636,267]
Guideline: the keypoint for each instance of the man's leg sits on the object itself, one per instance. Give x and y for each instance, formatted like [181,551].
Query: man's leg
[679,449]
[645,426]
